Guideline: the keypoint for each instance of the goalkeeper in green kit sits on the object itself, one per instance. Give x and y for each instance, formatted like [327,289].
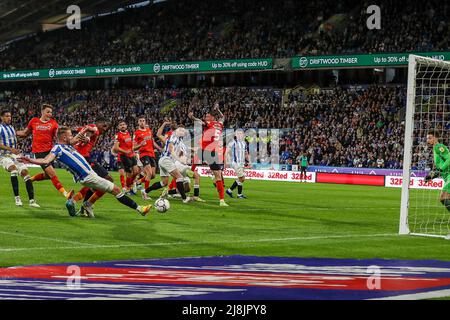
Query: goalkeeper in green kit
[442,163]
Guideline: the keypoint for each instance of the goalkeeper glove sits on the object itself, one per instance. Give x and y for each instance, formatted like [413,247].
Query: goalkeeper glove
[431,175]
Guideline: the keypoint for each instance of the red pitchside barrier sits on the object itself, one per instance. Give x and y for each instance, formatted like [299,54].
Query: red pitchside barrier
[359,179]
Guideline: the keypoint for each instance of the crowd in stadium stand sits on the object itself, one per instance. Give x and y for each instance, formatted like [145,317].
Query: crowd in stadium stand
[352,127]
[349,128]
[213,29]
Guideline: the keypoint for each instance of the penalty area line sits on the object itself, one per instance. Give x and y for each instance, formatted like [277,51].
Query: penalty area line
[17,234]
[184,243]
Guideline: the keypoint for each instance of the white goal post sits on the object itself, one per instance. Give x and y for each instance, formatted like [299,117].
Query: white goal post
[427,108]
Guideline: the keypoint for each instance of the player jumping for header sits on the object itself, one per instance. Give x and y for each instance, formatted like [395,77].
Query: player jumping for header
[81,169]
[212,145]
[442,163]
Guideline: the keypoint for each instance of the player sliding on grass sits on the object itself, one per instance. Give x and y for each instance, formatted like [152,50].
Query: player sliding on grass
[43,130]
[8,159]
[442,163]
[82,171]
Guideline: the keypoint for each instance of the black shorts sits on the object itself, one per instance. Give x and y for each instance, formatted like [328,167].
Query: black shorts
[303,169]
[100,170]
[216,167]
[42,155]
[148,161]
[119,165]
[212,160]
[128,163]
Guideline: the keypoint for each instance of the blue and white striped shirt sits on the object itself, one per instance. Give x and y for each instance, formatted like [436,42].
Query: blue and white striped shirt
[178,146]
[73,161]
[7,137]
[238,150]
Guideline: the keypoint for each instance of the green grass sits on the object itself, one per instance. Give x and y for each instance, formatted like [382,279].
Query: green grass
[278,219]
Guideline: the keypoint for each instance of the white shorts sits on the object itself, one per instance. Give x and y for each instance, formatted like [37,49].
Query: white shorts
[95,182]
[238,168]
[183,168]
[7,162]
[166,166]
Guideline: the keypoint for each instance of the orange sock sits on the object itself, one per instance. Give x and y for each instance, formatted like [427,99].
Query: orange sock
[58,185]
[173,184]
[39,177]
[81,194]
[122,181]
[141,180]
[129,182]
[147,184]
[97,195]
[220,189]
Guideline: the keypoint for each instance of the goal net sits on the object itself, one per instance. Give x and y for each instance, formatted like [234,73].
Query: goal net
[427,111]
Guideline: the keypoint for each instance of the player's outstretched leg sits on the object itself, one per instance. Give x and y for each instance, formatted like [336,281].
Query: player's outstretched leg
[125,200]
[155,186]
[121,197]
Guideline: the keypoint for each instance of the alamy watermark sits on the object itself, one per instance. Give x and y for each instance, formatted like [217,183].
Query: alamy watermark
[73,22]
[74,279]
[374,280]
[262,145]
[374,21]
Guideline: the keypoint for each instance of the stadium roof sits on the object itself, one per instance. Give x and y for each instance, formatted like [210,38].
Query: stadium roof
[21,18]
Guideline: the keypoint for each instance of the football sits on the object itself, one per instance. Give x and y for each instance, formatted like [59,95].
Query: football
[162,205]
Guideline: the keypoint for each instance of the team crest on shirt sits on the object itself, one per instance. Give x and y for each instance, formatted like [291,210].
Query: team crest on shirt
[442,149]
[43,127]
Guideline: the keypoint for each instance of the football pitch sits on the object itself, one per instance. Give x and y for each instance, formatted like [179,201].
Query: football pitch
[277,220]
